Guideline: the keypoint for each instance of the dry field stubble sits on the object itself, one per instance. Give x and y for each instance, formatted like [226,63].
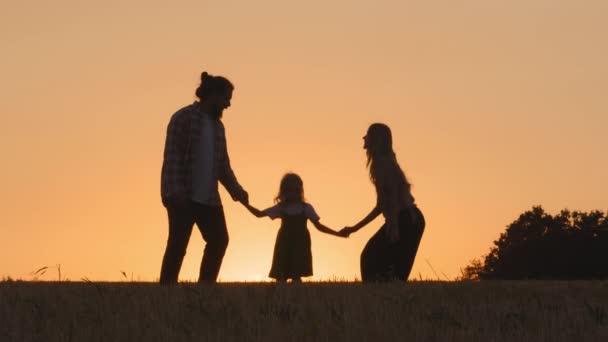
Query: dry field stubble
[415,311]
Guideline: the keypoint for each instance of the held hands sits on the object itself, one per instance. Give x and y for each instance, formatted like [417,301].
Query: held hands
[253,210]
[346,231]
[243,197]
[340,234]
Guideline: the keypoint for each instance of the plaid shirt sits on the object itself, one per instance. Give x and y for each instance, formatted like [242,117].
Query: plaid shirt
[184,132]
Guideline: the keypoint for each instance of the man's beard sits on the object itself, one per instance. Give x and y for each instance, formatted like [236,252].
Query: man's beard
[216,112]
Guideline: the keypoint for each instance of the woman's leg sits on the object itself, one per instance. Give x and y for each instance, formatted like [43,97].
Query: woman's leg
[375,259]
[411,229]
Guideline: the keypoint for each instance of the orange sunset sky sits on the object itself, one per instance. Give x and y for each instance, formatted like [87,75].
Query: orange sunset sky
[495,106]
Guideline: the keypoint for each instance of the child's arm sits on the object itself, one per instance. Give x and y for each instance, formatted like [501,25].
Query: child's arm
[326,230]
[255,211]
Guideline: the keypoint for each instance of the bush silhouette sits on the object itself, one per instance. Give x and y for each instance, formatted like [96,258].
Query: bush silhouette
[569,245]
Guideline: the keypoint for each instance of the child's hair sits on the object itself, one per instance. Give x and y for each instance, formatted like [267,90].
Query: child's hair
[289,178]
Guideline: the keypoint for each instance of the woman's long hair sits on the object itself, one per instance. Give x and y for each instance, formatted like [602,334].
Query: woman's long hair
[381,159]
[287,180]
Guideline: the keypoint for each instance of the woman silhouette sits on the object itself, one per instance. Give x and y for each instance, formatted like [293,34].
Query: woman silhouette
[390,253]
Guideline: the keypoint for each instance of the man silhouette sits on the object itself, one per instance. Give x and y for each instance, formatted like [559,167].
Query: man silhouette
[195,159]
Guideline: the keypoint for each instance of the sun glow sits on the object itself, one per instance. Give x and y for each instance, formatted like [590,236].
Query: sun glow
[489,118]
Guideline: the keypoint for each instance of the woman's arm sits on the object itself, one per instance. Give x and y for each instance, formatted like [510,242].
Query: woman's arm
[255,211]
[325,229]
[367,219]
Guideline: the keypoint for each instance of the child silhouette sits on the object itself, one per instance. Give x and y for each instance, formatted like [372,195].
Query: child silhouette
[292,258]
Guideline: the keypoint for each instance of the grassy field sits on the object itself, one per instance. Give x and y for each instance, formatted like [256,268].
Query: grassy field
[415,311]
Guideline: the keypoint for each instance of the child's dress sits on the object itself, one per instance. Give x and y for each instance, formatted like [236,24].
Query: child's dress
[292,257]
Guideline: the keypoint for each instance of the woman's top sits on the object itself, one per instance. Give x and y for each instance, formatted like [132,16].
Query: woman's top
[392,190]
